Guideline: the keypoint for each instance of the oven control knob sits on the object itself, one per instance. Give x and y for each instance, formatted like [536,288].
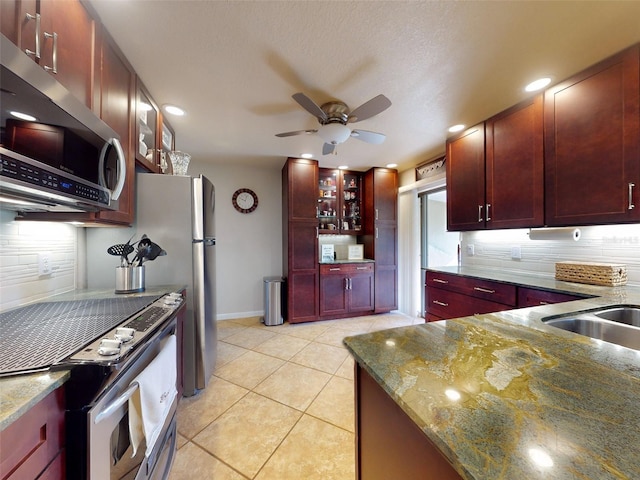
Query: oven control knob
[124,334]
[109,347]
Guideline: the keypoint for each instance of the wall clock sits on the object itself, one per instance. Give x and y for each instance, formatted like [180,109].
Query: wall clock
[245,200]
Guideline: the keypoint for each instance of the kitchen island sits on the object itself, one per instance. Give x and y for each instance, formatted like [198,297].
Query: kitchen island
[498,396]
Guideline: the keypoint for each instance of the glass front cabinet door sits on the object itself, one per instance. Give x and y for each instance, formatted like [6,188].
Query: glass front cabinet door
[339,202]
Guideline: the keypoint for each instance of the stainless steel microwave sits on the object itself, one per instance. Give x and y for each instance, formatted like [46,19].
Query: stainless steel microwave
[55,153]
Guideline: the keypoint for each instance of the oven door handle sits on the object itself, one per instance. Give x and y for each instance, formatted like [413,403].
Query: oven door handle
[117,403]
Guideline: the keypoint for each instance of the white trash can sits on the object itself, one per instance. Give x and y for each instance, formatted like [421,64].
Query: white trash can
[273,301]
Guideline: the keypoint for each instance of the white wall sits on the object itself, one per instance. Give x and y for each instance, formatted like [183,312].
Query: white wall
[20,244]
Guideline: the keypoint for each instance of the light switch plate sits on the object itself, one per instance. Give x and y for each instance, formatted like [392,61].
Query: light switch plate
[516,253]
[471,251]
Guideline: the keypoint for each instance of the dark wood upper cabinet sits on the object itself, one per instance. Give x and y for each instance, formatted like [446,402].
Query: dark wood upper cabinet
[114,104]
[58,36]
[302,189]
[67,45]
[495,171]
[465,180]
[514,170]
[592,144]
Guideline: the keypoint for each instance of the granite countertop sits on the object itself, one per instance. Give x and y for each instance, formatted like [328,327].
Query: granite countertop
[19,393]
[525,389]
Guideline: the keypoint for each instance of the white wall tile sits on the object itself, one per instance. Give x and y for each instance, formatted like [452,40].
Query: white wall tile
[20,244]
[599,244]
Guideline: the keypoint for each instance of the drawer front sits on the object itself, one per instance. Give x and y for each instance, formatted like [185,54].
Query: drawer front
[532,297]
[475,287]
[445,304]
[345,268]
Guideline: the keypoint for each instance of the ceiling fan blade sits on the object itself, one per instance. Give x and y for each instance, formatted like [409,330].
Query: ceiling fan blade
[369,137]
[328,148]
[310,106]
[297,132]
[368,109]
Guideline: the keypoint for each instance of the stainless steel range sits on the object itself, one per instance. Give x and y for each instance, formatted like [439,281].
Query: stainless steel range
[106,344]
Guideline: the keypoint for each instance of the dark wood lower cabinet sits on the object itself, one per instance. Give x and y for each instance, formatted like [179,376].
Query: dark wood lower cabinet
[389,445]
[346,289]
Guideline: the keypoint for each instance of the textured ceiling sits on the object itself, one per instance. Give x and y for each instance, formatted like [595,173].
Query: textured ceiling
[234,65]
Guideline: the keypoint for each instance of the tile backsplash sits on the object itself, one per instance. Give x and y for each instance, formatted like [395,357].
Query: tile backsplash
[21,246]
[619,244]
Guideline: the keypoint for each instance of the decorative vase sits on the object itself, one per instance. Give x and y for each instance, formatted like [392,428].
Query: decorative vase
[179,162]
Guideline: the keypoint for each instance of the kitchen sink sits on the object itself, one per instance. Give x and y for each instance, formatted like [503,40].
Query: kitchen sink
[619,325]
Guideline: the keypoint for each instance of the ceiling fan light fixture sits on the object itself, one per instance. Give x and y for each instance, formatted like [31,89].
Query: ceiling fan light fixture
[334,133]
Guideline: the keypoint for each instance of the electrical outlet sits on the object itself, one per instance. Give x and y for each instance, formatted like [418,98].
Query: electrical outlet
[44,263]
[516,252]
[471,251]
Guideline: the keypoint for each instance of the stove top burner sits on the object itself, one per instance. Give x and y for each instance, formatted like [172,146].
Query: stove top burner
[36,336]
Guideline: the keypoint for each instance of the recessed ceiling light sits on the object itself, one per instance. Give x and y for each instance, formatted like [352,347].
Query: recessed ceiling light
[173,110]
[456,128]
[307,155]
[538,84]
[24,116]
[392,165]
[343,167]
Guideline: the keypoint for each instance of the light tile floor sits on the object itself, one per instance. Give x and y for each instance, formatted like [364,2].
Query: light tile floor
[280,404]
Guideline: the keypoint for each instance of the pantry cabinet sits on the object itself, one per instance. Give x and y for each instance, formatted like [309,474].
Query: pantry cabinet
[346,288]
[380,237]
[300,239]
[495,171]
[339,202]
[58,36]
[592,144]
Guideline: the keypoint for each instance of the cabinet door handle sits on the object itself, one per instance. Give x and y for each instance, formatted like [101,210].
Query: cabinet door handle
[376,214]
[362,268]
[483,290]
[437,280]
[442,304]
[317,212]
[54,59]
[376,232]
[487,212]
[35,17]
[317,232]
[480,213]
[350,284]
[631,205]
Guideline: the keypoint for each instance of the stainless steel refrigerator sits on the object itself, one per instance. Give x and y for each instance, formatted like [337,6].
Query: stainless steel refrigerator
[176,212]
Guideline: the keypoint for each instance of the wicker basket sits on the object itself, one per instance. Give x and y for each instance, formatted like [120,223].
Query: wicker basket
[610,275]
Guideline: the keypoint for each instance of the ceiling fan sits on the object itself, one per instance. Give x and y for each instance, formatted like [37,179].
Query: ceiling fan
[333,118]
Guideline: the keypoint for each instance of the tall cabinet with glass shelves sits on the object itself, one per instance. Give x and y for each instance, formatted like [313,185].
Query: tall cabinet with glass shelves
[339,202]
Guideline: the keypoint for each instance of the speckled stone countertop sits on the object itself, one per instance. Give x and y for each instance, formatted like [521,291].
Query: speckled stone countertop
[19,393]
[535,402]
